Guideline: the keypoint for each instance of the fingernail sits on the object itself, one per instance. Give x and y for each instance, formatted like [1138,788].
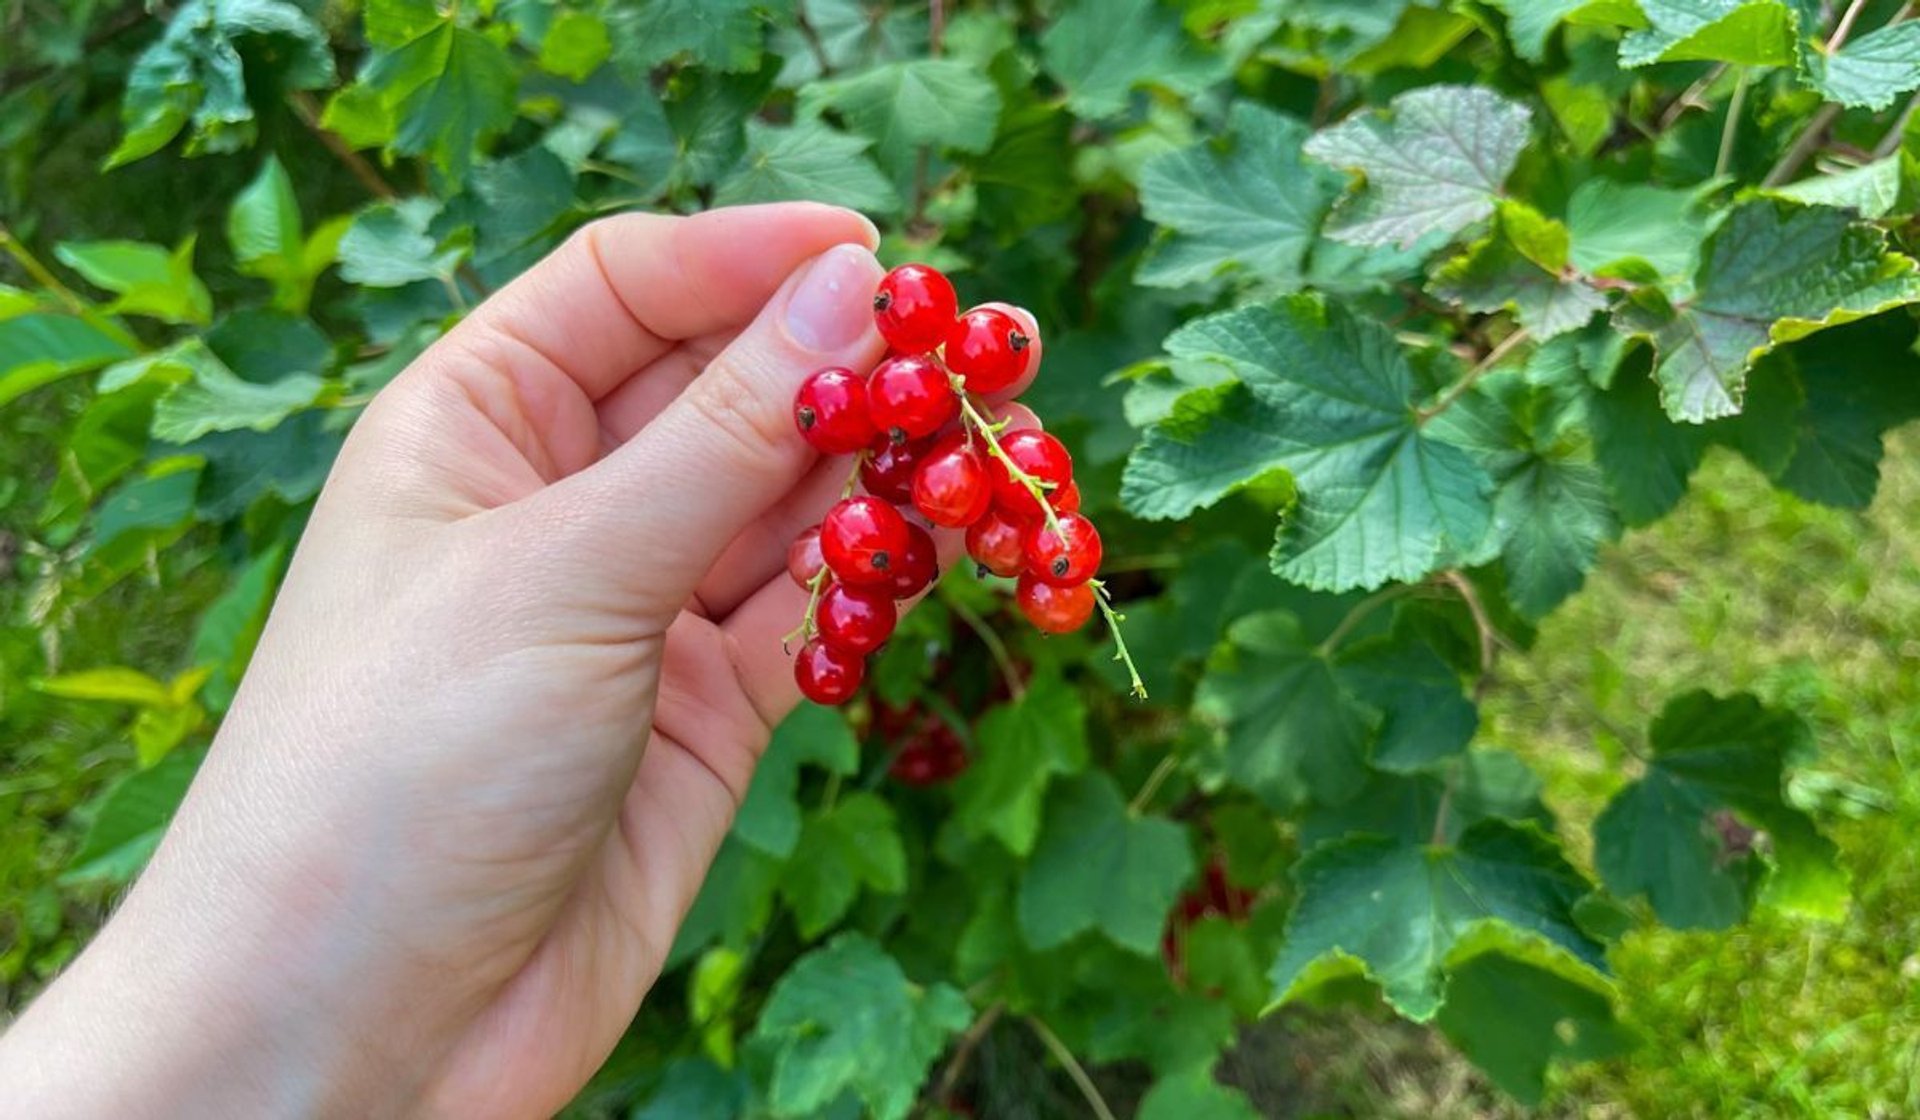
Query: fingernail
[833,304]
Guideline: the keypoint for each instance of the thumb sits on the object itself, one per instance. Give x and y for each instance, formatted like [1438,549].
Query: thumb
[651,517]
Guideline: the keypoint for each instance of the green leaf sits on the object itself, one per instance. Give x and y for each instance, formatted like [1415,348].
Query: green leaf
[129,820]
[215,400]
[1396,913]
[575,45]
[390,244]
[1425,716]
[1480,785]
[1293,734]
[1514,1006]
[114,684]
[853,844]
[1530,22]
[1645,459]
[193,74]
[1019,749]
[1872,190]
[1100,50]
[38,349]
[265,232]
[163,500]
[1772,273]
[148,279]
[735,903]
[808,161]
[289,462]
[1330,399]
[1741,32]
[1494,274]
[1610,222]
[695,1089]
[1101,867]
[1255,207]
[1861,381]
[845,1019]
[769,817]
[225,639]
[446,91]
[1194,1095]
[723,34]
[1432,164]
[904,106]
[1870,72]
[1683,833]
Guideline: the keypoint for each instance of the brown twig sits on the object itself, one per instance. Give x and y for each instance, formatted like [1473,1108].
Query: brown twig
[1460,387]
[1074,1069]
[963,1051]
[308,110]
[1485,631]
[1811,137]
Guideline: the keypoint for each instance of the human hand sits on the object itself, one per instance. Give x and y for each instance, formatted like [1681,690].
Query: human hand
[511,694]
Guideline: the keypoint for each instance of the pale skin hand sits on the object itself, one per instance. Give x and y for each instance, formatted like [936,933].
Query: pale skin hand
[512,691]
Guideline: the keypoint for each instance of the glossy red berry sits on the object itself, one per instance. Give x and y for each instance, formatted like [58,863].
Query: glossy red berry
[861,538]
[1042,457]
[997,542]
[887,470]
[914,307]
[803,557]
[1066,556]
[919,566]
[1066,499]
[827,675]
[951,487]
[832,412]
[856,619]
[908,396]
[987,347]
[1054,610]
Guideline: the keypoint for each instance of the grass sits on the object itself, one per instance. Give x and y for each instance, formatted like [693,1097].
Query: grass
[1742,588]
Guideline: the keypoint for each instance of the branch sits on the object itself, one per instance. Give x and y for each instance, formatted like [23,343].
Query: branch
[1488,634]
[1460,387]
[962,1051]
[1810,139]
[1073,1067]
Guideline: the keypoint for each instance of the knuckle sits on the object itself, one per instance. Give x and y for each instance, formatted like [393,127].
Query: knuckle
[729,402]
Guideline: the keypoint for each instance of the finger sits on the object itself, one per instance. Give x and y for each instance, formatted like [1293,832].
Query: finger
[622,291]
[760,551]
[1031,328]
[650,519]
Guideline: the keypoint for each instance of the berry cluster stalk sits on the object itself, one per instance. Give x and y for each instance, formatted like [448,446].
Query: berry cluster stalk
[988,432]
[818,584]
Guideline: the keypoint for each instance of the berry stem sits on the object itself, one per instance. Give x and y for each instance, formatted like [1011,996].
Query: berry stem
[1120,654]
[817,586]
[987,432]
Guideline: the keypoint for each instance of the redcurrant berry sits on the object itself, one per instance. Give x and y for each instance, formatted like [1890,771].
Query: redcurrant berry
[908,396]
[1042,457]
[914,307]
[1065,556]
[887,469]
[855,619]
[921,563]
[950,486]
[987,347]
[997,542]
[827,675]
[803,557]
[832,412]
[861,538]
[1054,610]
[1066,499]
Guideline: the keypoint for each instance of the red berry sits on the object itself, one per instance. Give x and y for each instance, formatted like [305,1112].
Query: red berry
[921,563]
[827,675]
[950,486]
[987,347]
[1054,610]
[803,557]
[1065,557]
[914,307]
[997,542]
[908,396]
[887,470]
[855,619]
[832,412]
[916,765]
[1042,457]
[861,539]
[1066,499]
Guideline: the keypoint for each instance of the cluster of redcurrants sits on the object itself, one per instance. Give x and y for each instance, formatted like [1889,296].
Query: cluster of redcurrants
[924,446]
